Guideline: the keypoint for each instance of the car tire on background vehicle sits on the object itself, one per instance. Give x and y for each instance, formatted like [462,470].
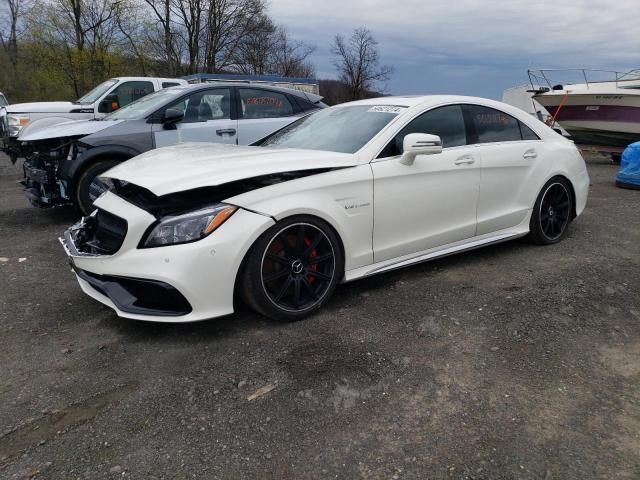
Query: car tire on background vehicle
[89,187]
[552,212]
[292,269]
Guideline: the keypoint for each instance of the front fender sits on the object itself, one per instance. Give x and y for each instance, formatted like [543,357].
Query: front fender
[343,198]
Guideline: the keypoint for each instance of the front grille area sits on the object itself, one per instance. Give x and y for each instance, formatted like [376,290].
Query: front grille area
[102,234]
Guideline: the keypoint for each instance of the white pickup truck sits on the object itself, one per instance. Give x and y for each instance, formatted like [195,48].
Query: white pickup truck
[105,98]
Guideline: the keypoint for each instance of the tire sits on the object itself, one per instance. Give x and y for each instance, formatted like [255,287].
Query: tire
[89,187]
[292,269]
[552,213]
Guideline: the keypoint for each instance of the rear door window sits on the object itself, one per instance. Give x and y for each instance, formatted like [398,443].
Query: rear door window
[258,103]
[492,126]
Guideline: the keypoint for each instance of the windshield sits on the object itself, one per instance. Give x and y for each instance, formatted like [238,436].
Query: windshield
[96,93]
[337,129]
[630,75]
[146,105]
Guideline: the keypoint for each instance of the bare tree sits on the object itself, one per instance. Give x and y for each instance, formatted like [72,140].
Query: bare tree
[190,15]
[252,52]
[229,23]
[358,62]
[162,12]
[79,35]
[290,58]
[9,29]
[267,49]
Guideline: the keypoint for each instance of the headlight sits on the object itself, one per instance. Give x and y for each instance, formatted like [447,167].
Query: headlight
[188,227]
[15,123]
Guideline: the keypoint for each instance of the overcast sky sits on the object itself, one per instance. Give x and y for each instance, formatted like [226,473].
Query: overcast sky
[473,47]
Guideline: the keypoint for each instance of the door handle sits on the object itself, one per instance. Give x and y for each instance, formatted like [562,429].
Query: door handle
[465,160]
[530,154]
[226,131]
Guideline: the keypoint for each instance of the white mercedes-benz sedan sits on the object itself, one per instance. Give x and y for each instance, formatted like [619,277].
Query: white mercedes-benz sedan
[348,192]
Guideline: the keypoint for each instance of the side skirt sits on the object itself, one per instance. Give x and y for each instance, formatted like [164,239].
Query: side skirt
[432,254]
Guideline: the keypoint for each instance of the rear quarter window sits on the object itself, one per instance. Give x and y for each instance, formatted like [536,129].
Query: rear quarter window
[527,133]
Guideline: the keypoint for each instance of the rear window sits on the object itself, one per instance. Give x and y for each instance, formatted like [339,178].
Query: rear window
[303,104]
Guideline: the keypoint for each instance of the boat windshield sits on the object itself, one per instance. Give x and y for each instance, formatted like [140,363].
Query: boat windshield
[336,129]
[630,75]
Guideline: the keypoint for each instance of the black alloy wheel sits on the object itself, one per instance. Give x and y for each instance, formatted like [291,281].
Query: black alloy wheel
[552,212]
[293,269]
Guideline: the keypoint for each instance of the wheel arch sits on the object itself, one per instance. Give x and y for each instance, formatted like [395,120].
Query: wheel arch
[572,190]
[92,156]
[240,270]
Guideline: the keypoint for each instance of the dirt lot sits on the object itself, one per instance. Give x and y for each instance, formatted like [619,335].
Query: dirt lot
[513,361]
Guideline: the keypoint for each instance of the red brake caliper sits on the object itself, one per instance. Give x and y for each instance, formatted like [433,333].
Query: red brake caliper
[314,266]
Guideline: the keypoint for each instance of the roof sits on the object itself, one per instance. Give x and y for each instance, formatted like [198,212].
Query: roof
[426,100]
[252,78]
[128,79]
[291,91]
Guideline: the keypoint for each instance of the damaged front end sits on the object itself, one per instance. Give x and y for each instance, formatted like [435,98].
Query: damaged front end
[101,233]
[43,184]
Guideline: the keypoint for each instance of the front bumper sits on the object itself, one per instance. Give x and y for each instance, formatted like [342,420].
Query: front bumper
[41,187]
[581,189]
[202,273]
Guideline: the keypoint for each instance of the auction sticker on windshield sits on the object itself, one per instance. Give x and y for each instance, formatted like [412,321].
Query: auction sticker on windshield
[385,109]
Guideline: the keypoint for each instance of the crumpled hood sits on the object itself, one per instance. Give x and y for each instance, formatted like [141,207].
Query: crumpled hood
[193,165]
[73,128]
[42,107]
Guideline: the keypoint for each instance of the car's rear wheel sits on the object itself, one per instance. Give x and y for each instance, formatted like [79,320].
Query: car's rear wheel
[551,213]
[293,269]
[90,187]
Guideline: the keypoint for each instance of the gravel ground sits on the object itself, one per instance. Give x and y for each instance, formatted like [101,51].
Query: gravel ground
[513,361]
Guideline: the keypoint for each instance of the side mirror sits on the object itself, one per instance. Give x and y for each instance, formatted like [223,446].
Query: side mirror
[416,144]
[171,116]
[109,104]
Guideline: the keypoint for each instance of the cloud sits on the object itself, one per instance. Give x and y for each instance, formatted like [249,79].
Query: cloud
[479,46]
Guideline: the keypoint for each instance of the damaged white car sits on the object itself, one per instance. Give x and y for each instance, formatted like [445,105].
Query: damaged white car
[347,192]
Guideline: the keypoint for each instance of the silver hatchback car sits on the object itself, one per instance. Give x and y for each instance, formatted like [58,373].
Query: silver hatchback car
[64,161]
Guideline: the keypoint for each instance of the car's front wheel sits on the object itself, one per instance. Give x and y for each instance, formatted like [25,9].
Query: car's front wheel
[90,186]
[293,269]
[551,213]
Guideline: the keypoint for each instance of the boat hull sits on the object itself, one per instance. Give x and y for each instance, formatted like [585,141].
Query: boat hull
[596,118]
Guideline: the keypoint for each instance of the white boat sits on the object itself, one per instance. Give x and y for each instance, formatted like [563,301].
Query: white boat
[604,112]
